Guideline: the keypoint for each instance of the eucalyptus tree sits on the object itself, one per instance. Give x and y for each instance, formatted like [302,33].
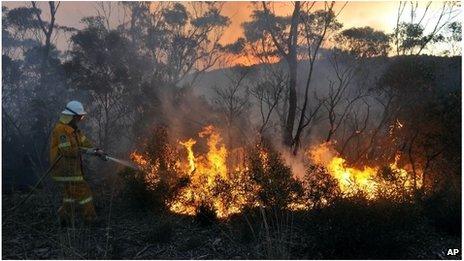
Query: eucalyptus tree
[291,39]
[182,39]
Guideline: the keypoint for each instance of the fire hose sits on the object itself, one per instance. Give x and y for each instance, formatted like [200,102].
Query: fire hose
[104,157]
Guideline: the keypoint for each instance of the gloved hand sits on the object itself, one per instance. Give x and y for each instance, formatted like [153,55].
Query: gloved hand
[100,153]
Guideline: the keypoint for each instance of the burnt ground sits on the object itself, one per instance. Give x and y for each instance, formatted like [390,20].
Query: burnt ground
[33,232]
[130,232]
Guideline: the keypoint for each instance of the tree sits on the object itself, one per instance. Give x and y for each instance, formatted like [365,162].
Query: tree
[349,62]
[340,99]
[233,99]
[46,27]
[316,28]
[39,90]
[269,95]
[364,42]
[290,38]
[454,38]
[182,39]
[105,67]
[420,104]
[19,31]
[410,37]
[269,86]
[285,46]
[356,124]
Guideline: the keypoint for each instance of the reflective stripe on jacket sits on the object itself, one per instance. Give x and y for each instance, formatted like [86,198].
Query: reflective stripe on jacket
[68,178]
[68,142]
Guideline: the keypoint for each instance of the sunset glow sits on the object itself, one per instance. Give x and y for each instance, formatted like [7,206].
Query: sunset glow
[380,15]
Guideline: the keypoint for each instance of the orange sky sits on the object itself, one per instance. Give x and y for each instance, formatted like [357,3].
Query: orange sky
[380,15]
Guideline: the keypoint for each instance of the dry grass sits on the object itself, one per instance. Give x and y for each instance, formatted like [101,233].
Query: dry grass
[349,228]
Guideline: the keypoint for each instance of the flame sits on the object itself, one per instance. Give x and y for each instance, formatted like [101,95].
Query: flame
[264,157]
[217,154]
[191,158]
[151,169]
[219,178]
[206,171]
[352,180]
[139,159]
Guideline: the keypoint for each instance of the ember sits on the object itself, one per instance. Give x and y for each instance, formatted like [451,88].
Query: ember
[211,172]
[206,173]
[352,180]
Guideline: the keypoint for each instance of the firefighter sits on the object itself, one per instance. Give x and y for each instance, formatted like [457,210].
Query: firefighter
[68,144]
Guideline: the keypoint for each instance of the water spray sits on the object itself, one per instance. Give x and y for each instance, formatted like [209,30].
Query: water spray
[122,162]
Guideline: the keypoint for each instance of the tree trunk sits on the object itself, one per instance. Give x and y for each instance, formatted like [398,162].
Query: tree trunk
[292,61]
[292,102]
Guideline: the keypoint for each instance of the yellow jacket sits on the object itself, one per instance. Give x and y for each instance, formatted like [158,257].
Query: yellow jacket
[69,143]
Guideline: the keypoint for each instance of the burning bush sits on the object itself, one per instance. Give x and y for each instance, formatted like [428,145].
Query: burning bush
[195,183]
[161,177]
[224,182]
[389,181]
[214,183]
[321,189]
[215,180]
[395,184]
[276,185]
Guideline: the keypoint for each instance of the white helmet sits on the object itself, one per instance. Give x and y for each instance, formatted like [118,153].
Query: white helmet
[74,108]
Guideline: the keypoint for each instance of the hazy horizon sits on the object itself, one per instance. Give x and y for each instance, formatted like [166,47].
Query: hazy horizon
[380,15]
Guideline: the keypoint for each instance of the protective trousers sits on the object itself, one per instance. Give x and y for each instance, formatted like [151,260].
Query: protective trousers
[77,194]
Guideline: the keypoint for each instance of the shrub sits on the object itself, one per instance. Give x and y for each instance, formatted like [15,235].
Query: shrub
[320,188]
[160,178]
[277,187]
[395,186]
[136,192]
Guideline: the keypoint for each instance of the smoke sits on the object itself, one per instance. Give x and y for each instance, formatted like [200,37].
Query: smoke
[296,163]
[187,108]
[323,153]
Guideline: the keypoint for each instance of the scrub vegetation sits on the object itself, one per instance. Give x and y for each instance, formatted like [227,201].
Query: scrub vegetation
[303,139]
